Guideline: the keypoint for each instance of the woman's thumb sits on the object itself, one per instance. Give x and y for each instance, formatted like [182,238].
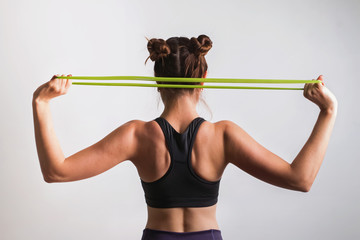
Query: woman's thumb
[321,78]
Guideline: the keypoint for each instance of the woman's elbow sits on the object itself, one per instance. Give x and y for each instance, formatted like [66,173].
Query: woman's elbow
[50,178]
[304,185]
[305,188]
[299,183]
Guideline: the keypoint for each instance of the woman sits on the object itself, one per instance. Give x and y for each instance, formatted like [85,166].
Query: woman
[179,156]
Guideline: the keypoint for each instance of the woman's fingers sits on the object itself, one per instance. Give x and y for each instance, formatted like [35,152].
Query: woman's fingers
[53,88]
[320,95]
[308,88]
[59,86]
[321,79]
[68,82]
[62,84]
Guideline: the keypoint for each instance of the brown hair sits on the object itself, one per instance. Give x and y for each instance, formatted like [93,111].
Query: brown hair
[179,57]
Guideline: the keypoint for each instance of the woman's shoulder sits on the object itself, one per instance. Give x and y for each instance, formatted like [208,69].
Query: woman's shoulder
[144,128]
[224,129]
[214,130]
[222,125]
[151,128]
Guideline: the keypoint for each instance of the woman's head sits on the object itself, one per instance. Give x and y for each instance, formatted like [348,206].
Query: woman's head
[179,57]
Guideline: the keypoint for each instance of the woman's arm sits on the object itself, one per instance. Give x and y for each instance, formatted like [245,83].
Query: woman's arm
[247,154]
[243,151]
[48,147]
[116,147]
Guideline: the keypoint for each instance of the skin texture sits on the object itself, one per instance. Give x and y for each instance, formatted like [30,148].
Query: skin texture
[216,145]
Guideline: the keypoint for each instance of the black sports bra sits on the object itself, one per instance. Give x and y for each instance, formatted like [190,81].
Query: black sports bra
[180,186]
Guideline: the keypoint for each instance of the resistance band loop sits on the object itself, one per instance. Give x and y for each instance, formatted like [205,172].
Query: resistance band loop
[193,80]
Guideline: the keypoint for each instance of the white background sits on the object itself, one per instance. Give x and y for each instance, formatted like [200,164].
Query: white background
[251,39]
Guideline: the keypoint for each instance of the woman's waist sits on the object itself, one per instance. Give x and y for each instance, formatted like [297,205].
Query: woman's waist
[182,219]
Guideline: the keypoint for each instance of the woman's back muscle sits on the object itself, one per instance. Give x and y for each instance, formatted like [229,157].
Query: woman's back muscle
[153,159]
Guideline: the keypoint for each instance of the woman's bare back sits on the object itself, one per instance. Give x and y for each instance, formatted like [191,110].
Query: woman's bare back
[153,161]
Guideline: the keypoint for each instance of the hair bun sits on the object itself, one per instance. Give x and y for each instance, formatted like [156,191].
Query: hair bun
[158,48]
[201,45]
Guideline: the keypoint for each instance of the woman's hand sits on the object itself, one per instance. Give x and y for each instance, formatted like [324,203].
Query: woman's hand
[320,95]
[53,88]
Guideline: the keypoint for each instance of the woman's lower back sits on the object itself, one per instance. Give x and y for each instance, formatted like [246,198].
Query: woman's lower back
[182,219]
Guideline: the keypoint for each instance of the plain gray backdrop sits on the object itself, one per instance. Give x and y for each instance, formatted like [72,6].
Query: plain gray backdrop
[251,39]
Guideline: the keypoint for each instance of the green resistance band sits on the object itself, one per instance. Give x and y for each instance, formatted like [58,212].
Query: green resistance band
[195,80]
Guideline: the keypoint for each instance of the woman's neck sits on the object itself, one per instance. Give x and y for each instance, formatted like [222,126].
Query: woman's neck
[180,111]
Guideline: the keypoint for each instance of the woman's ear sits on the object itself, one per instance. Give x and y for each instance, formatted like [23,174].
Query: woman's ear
[202,83]
[205,74]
